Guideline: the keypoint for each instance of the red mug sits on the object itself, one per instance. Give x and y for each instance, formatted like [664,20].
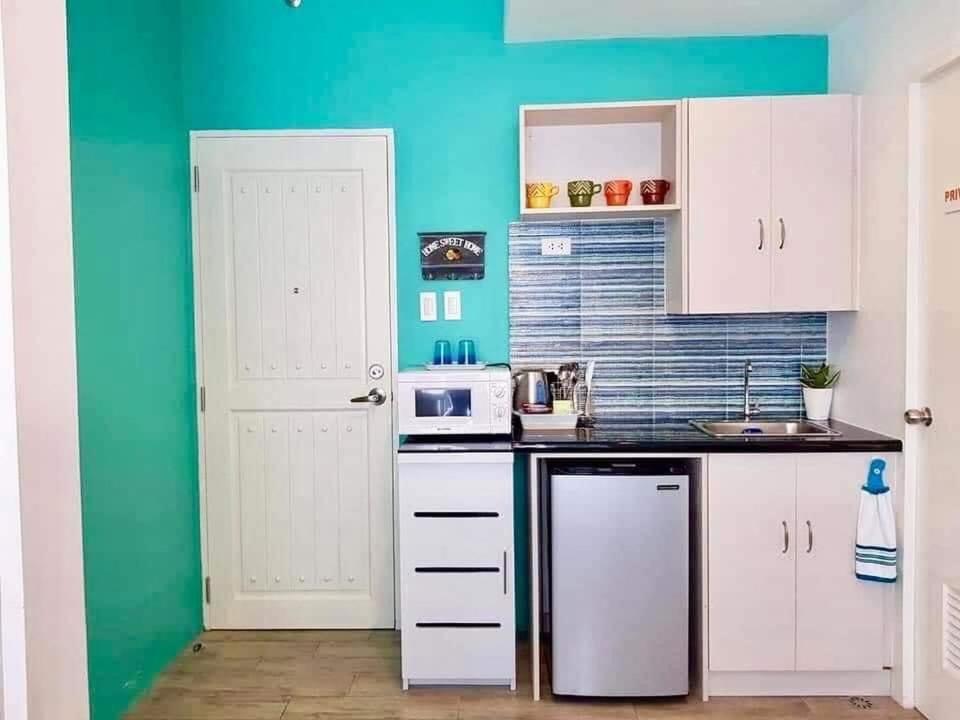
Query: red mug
[618,192]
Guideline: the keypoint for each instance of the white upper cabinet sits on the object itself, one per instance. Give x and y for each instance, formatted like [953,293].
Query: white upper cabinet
[729,222]
[770,206]
[813,202]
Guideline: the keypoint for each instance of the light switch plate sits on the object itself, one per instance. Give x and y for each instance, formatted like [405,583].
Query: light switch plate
[428,306]
[451,305]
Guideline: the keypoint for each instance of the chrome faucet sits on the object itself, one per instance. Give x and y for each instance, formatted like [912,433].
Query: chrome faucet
[749,408]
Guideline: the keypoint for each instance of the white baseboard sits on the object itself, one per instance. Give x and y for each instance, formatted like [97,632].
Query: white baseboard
[799,683]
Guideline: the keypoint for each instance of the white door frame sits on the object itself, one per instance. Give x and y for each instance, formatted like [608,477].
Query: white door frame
[387,134]
[915,296]
[13,643]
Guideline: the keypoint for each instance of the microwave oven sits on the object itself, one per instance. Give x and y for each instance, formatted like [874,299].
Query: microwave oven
[455,402]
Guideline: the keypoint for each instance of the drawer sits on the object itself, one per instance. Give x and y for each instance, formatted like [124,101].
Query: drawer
[454,484]
[479,654]
[455,540]
[482,593]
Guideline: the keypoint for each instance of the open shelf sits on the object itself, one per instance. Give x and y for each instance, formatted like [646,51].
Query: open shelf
[597,211]
[634,141]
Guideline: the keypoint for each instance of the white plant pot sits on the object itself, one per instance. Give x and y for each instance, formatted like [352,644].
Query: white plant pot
[818,401]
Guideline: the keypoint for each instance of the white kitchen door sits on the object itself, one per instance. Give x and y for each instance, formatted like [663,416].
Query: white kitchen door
[296,335]
[938,478]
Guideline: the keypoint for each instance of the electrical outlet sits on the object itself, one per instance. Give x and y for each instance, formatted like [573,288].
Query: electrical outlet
[555,246]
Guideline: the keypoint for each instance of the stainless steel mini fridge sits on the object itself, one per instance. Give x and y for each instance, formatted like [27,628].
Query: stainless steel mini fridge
[620,581]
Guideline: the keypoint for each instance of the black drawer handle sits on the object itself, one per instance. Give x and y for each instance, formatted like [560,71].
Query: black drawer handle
[668,487]
[458,514]
[458,624]
[454,569]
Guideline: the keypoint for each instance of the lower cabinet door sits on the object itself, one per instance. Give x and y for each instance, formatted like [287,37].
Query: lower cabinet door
[752,562]
[840,619]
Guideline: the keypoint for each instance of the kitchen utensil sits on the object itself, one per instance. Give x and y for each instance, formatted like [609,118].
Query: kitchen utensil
[541,194]
[442,352]
[588,381]
[618,192]
[531,387]
[654,192]
[581,192]
[467,352]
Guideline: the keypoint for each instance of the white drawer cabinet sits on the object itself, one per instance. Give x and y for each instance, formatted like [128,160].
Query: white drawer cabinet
[770,207]
[456,568]
[782,593]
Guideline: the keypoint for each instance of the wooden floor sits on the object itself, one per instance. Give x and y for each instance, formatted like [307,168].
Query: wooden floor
[355,675]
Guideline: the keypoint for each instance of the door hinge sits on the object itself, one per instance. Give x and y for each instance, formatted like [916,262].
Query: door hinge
[206,589]
[203,398]
[196,178]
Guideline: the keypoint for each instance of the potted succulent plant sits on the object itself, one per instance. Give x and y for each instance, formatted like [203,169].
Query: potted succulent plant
[818,382]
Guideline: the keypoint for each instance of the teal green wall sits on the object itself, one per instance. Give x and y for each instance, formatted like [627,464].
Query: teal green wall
[439,73]
[135,343]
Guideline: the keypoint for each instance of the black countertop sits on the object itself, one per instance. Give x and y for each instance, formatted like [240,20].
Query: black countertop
[646,437]
[652,437]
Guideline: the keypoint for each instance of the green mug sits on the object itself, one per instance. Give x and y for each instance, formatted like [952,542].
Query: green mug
[581,192]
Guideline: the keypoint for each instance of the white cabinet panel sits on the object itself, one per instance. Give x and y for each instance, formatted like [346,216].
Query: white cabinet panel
[729,205]
[752,562]
[296,269]
[348,237]
[323,271]
[813,203]
[246,274]
[273,322]
[252,494]
[354,502]
[277,508]
[840,619]
[303,501]
[326,509]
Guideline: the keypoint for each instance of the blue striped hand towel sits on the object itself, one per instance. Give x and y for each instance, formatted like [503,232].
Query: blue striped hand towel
[876,552]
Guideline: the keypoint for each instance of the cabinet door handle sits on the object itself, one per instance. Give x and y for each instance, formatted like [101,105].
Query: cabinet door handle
[809,537]
[783,234]
[760,246]
[504,572]
[786,538]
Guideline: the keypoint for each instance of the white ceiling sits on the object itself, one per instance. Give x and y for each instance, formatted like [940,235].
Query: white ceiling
[535,20]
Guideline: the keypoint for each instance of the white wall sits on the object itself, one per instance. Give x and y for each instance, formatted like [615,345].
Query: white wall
[13,657]
[38,141]
[877,53]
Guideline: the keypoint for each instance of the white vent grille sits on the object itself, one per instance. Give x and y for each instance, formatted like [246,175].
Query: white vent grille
[951,629]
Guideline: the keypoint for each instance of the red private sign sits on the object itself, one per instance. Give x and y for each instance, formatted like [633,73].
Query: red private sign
[951,200]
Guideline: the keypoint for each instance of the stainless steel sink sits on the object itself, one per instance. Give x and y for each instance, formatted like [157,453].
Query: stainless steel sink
[763,429]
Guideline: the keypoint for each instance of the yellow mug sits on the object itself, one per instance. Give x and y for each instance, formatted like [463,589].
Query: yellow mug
[541,194]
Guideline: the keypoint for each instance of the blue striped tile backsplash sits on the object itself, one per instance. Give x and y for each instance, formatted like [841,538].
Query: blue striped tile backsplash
[605,301]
